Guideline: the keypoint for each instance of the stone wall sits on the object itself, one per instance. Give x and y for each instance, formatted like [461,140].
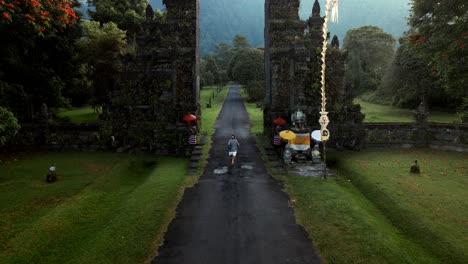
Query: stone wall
[59,137]
[443,136]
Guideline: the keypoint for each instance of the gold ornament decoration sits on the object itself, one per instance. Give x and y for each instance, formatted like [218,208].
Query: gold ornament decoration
[332,5]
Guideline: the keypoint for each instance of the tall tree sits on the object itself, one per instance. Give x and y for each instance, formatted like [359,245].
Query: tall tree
[127,14]
[247,68]
[439,35]
[240,42]
[370,51]
[408,80]
[8,126]
[102,49]
[38,41]
[223,54]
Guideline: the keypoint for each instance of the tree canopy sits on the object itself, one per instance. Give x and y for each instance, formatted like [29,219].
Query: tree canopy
[101,50]
[8,125]
[439,35]
[38,41]
[127,14]
[370,51]
[431,62]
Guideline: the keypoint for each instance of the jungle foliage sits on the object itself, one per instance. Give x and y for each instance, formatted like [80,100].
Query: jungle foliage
[370,52]
[431,63]
[38,54]
[8,125]
[238,62]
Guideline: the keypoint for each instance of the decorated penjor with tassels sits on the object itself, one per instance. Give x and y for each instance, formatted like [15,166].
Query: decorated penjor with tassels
[294,95]
[331,7]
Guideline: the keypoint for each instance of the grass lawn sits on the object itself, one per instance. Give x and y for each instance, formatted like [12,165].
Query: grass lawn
[377,212]
[105,207]
[255,113]
[84,114]
[431,209]
[209,115]
[388,113]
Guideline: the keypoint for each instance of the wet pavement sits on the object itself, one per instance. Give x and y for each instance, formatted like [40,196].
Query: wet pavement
[235,214]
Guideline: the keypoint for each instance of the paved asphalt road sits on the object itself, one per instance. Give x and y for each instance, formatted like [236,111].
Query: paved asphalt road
[239,217]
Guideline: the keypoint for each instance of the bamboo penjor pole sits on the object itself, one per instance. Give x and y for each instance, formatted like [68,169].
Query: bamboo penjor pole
[331,4]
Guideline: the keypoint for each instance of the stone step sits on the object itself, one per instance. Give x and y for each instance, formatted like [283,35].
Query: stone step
[277,164]
[197,152]
[195,158]
[197,147]
[202,140]
[193,164]
[269,148]
[280,171]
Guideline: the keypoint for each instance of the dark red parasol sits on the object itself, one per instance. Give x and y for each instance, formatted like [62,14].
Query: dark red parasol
[189,118]
[279,121]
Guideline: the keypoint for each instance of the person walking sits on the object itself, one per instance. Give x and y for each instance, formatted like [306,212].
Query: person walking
[233,144]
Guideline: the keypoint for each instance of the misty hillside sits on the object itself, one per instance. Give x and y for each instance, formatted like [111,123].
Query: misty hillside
[222,19]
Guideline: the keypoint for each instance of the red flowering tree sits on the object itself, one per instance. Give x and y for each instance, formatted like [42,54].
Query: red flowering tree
[36,16]
[37,54]
[439,35]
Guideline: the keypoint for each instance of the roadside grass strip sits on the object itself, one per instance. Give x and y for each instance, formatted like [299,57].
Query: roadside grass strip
[104,208]
[389,113]
[376,211]
[255,114]
[430,208]
[209,116]
[84,114]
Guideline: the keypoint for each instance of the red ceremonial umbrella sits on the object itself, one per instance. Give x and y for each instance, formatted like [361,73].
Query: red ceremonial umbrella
[189,118]
[279,121]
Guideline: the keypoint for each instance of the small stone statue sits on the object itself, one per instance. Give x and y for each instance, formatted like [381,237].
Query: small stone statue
[421,114]
[415,168]
[316,154]
[44,112]
[287,157]
[298,120]
[51,176]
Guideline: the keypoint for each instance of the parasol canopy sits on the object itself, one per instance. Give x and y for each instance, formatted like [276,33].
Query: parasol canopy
[189,118]
[287,135]
[279,121]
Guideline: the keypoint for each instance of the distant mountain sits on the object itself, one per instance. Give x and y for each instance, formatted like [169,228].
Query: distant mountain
[221,20]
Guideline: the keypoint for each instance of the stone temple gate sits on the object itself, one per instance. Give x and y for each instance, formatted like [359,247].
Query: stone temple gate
[293,63]
[161,81]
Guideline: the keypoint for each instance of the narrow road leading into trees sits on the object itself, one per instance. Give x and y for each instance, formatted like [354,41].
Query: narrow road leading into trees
[240,216]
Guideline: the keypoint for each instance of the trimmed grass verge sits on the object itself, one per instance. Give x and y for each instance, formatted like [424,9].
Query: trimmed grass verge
[105,208]
[255,114]
[377,212]
[430,208]
[388,113]
[209,116]
[84,114]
